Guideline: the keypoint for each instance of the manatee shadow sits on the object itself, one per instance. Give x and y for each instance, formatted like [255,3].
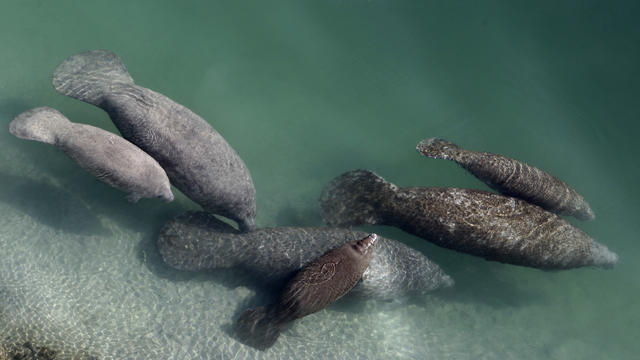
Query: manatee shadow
[50,205]
[266,290]
[263,297]
[146,216]
[481,281]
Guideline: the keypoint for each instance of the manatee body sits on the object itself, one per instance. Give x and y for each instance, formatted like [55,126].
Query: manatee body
[493,226]
[513,178]
[197,159]
[198,241]
[313,288]
[106,156]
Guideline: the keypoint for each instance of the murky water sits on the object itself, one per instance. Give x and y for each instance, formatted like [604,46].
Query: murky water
[305,90]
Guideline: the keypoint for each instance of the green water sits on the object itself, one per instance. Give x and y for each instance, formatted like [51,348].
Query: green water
[305,90]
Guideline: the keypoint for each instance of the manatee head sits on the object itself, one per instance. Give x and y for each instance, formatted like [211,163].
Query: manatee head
[158,185]
[364,246]
[164,193]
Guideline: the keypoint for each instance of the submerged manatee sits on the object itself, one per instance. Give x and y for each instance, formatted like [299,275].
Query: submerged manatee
[198,241]
[197,159]
[513,178]
[313,288]
[104,155]
[480,223]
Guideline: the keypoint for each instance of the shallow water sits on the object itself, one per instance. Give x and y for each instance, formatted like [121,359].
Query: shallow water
[305,90]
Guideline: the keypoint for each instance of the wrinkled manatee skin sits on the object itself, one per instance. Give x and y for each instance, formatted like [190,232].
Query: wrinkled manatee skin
[197,159]
[492,226]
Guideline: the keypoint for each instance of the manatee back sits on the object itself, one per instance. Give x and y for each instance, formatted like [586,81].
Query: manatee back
[116,161]
[495,227]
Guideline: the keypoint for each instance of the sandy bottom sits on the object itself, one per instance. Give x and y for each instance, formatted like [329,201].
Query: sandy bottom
[84,279]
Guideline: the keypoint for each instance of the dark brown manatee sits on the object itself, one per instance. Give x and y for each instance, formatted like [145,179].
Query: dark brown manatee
[197,241]
[104,155]
[197,159]
[312,289]
[512,178]
[492,226]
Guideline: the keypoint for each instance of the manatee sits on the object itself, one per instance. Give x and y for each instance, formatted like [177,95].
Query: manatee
[492,226]
[313,288]
[197,159]
[197,241]
[104,155]
[512,178]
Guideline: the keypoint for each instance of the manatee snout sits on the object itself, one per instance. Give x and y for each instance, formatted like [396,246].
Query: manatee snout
[167,196]
[363,246]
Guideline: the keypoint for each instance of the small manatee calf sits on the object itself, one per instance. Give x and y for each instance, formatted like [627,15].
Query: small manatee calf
[493,226]
[313,288]
[197,159]
[197,241]
[512,178]
[104,155]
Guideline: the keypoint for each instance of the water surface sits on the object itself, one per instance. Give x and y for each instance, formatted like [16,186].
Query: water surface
[305,90]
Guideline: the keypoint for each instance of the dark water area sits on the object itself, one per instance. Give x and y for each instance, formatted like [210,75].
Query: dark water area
[304,91]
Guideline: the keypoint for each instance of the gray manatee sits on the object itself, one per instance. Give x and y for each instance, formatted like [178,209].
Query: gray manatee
[197,158]
[313,288]
[512,178]
[493,226]
[198,241]
[104,155]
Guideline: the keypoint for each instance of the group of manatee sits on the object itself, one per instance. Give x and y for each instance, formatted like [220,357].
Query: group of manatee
[165,143]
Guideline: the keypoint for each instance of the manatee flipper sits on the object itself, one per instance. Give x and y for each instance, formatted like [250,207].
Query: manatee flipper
[512,178]
[258,328]
[88,76]
[133,197]
[39,124]
[353,198]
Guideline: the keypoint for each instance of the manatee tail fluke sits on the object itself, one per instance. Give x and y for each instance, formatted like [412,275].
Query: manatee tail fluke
[39,124]
[89,75]
[438,149]
[258,328]
[197,240]
[354,198]
[602,256]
